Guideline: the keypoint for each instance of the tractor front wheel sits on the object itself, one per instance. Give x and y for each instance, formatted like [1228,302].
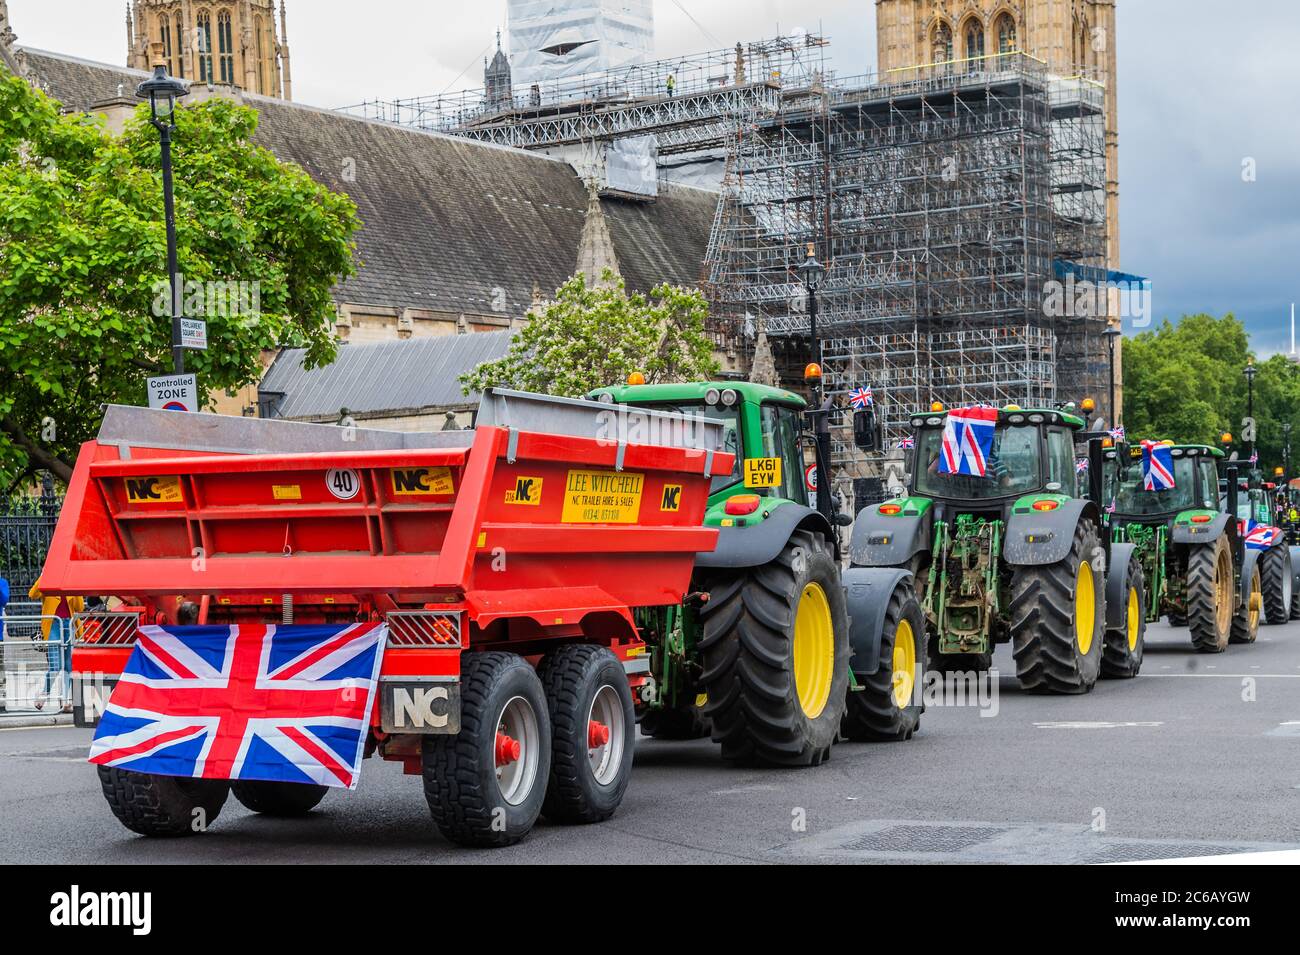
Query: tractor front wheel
[776,657]
[277,798]
[1275,569]
[1209,596]
[1057,619]
[1121,654]
[888,704]
[1245,622]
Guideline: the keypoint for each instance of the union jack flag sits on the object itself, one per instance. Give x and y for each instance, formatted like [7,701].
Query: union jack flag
[251,702]
[862,397]
[1117,433]
[1080,465]
[1260,536]
[1254,457]
[1157,466]
[967,441]
[907,444]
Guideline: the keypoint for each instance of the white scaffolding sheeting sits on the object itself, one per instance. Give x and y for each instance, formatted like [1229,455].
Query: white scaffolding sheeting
[632,166]
[554,39]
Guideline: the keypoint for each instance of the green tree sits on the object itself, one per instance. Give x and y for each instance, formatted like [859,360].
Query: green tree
[590,337]
[1186,382]
[84,316]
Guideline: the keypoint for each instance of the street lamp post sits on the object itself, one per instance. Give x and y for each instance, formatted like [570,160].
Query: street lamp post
[163,91]
[811,272]
[1286,452]
[1113,334]
[1251,372]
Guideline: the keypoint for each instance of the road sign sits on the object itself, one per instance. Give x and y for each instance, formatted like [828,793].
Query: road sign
[174,393]
[810,477]
[194,333]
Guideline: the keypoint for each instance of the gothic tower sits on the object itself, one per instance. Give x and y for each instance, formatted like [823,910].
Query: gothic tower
[225,42]
[496,80]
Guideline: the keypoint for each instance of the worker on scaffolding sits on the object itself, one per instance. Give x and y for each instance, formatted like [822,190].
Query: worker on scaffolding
[672,85]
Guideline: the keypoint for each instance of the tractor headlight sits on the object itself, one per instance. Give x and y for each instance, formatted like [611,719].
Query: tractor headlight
[729,397]
[712,396]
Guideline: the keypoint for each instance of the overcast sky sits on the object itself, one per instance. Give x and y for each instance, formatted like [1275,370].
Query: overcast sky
[1205,86]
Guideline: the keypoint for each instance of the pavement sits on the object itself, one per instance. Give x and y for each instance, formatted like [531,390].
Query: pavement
[1198,756]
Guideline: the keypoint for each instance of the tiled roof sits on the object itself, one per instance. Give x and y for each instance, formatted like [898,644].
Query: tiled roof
[448,224]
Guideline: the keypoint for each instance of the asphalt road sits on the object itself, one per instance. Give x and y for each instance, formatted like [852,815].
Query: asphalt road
[1177,762]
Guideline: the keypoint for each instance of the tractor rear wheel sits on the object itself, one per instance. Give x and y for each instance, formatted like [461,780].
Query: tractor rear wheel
[1121,655]
[888,704]
[686,721]
[153,805]
[1245,622]
[776,657]
[279,799]
[1275,568]
[1209,595]
[1057,619]
[593,732]
[485,784]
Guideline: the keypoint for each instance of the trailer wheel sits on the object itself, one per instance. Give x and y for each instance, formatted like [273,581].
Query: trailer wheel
[485,784]
[162,805]
[1122,652]
[887,707]
[593,732]
[776,657]
[1209,596]
[277,798]
[686,721]
[1245,622]
[1057,619]
[1275,568]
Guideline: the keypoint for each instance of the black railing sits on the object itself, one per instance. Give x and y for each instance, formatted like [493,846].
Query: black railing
[26,527]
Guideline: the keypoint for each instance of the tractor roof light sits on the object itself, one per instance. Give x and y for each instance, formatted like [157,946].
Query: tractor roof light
[1225,438]
[729,397]
[1108,442]
[712,396]
[1088,405]
[936,407]
[742,504]
[812,372]
[636,378]
[1012,408]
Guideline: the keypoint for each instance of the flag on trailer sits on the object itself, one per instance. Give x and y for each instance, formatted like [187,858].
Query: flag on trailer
[967,441]
[862,398]
[1157,466]
[250,702]
[1261,536]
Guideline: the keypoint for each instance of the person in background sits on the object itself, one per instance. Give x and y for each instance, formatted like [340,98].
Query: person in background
[672,85]
[56,630]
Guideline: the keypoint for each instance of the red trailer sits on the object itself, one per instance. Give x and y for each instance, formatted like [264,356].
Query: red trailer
[505,563]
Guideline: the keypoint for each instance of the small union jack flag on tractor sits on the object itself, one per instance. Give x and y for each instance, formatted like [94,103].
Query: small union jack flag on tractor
[861,398]
[967,441]
[1157,466]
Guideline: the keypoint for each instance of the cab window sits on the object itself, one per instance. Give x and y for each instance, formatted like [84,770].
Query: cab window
[781,427]
[1060,460]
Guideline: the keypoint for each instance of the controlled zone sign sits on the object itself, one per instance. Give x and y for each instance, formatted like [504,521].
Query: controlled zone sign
[174,393]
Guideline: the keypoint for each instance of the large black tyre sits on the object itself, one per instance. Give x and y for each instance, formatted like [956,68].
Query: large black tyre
[1275,569]
[162,805]
[279,799]
[473,801]
[1210,596]
[749,647]
[1122,652]
[1057,623]
[586,690]
[1245,622]
[686,721]
[888,705]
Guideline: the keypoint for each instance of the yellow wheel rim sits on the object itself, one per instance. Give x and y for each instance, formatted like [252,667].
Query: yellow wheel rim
[814,650]
[1134,618]
[1256,600]
[1223,589]
[1085,608]
[904,663]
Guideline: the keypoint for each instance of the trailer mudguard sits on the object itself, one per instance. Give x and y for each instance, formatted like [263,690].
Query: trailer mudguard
[883,540]
[1248,564]
[1199,533]
[1035,538]
[1121,555]
[756,544]
[867,592]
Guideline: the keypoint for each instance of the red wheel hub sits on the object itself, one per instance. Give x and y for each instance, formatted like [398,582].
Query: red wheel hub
[508,750]
[597,734]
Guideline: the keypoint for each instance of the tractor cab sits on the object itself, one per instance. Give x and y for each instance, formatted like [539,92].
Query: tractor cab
[1195,490]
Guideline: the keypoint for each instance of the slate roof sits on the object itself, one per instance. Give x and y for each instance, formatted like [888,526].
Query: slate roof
[448,224]
[412,375]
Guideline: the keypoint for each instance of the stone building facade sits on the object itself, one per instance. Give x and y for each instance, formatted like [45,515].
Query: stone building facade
[227,42]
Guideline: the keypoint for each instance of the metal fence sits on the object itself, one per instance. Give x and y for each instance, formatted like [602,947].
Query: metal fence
[26,526]
[35,661]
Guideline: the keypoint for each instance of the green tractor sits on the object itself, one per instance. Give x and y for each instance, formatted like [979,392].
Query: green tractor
[777,652]
[1016,554]
[1198,574]
[1258,525]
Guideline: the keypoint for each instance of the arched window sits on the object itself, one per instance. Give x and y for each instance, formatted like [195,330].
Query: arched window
[1006,33]
[974,45]
[941,45]
[165,34]
[227,47]
[179,70]
[203,37]
[259,31]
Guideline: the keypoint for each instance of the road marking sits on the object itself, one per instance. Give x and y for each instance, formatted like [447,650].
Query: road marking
[1081,725]
[23,729]
[1227,676]
[1289,729]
